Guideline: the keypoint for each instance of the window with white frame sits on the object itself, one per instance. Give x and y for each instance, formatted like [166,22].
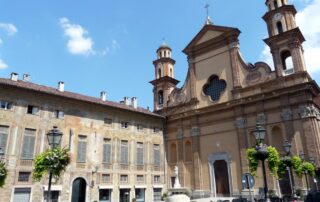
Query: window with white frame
[124,178]
[106,178]
[28,144]
[124,124]
[82,149]
[140,127]
[33,110]
[156,178]
[124,160]
[6,105]
[106,151]
[140,178]
[58,114]
[157,194]
[24,176]
[139,153]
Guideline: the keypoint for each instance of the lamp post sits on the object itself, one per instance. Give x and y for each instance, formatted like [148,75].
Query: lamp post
[262,154]
[54,139]
[302,155]
[1,153]
[287,159]
[313,161]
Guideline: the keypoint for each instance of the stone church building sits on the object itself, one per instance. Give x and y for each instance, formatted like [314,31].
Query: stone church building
[209,121]
[120,151]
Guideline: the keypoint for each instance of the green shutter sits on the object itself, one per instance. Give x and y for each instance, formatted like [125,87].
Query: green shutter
[139,154]
[156,155]
[124,153]
[82,150]
[3,137]
[106,153]
[28,144]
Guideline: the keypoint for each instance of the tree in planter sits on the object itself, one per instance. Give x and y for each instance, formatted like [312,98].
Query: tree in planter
[263,152]
[55,160]
[3,173]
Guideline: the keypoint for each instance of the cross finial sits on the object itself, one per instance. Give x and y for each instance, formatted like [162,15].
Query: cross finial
[208,20]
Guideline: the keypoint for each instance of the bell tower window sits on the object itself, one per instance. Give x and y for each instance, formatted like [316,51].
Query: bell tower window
[160,97]
[159,73]
[275,3]
[279,27]
[286,60]
[171,72]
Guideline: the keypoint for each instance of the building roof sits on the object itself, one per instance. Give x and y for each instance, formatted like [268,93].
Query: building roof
[71,95]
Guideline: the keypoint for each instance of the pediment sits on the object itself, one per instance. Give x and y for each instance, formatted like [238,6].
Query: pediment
[211,34]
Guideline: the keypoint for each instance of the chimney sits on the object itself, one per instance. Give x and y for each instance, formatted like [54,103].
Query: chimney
[134,102]
[26,77]
[61,86]
[103,96]
[126,101]
[14,76]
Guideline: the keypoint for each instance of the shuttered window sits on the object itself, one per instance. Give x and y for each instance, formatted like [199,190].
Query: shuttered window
[107,151]
[139,153]
[156,155]
[124,153]
[3,137]
[28,144]
[82,149]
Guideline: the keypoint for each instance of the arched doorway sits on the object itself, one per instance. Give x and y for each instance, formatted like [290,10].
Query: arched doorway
[79,190]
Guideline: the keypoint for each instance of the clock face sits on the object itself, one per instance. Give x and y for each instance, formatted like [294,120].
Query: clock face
[277,16]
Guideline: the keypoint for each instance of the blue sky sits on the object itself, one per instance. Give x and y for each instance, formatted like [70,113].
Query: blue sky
[110,45]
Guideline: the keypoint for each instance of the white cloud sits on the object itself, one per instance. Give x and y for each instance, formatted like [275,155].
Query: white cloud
[78,43]
[308,21]
[3,65]
[9,28]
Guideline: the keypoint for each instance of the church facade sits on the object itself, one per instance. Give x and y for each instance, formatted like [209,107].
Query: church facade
[120,151]
[209,121]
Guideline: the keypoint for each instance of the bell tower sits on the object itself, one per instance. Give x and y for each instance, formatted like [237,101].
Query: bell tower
[285,38]
[164,82]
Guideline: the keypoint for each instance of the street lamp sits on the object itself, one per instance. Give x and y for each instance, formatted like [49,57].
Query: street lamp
[302,155]
[262,154]
[313,161]
[54,138]
[1,153]
[287,159]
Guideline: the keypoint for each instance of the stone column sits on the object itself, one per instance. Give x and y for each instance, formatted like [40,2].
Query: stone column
[195,133]
[234,48]
[277,61]
[192,74]
[297,56]
[240,124]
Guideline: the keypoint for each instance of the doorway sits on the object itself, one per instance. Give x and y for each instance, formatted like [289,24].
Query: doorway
[79,187]
[221,178]
[124,195]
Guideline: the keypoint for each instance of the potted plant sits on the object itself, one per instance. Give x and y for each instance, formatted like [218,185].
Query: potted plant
[3,173]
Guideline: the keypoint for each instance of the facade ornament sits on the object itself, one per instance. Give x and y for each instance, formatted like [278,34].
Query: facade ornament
[261,119]
[179,134]
[176,180]
[286,114]
[240,122]
[195,131]
[234,44]
[307,111]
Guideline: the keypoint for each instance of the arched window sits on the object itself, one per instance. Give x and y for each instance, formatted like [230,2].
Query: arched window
[275,3]
[188,151]
[171,72]
[159,73]
[173,153]
[277,138]
[160,97]
[283,3]
[279,27]
[286,60]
